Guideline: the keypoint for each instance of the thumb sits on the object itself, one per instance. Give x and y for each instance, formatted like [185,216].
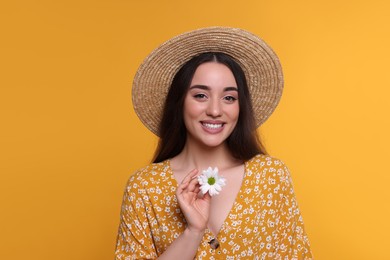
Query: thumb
[207,197]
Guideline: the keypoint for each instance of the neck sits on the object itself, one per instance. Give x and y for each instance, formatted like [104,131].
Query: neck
[202,157]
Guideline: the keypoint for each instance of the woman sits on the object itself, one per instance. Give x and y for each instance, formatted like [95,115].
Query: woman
[204,93]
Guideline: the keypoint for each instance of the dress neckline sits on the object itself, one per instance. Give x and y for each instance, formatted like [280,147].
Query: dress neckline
[239,196]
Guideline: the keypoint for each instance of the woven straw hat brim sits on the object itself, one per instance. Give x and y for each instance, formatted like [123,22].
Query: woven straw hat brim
[260,64]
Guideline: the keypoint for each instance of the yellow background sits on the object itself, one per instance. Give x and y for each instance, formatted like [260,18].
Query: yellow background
[69,138]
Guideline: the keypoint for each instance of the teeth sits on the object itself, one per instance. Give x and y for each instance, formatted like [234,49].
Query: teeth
[212,126]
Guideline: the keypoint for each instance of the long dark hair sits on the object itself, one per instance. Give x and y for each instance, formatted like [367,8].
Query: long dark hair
[243,143]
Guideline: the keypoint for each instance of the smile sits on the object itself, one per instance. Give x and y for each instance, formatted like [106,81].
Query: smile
[212,126]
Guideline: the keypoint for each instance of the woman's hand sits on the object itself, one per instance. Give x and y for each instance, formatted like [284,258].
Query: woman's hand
[196,209]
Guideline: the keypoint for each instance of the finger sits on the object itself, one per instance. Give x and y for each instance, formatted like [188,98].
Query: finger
[207,196]
[182,187]
[190,175]
[193,184]
[197,189]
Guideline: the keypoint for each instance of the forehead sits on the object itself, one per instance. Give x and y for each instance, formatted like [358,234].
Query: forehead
[213,73]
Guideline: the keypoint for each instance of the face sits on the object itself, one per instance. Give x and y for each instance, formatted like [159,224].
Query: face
[211,106]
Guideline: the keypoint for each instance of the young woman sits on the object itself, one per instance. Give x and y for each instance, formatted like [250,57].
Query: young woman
[204,93]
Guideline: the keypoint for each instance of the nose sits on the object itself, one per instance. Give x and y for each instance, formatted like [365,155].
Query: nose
[214,108]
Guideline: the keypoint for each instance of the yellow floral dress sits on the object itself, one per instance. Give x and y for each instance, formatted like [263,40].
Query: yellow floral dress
[264,222]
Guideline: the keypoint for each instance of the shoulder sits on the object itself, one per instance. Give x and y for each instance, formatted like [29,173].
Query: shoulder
[263,161]
[149,175]
[265,166]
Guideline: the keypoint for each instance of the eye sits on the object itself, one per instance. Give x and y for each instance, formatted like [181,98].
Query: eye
[200,96]
[230,99]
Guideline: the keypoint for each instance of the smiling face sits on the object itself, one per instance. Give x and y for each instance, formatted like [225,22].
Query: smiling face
[211,105]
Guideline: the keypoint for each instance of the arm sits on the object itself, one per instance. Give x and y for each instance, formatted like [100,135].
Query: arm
[196,211]
[134,238]
[293,242]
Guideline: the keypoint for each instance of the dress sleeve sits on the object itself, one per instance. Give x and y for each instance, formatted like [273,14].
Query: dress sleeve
[134,240]
[292,242]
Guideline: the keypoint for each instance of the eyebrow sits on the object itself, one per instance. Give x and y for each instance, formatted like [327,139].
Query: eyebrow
[208,88]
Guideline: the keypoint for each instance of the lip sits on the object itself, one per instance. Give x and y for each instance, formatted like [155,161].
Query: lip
[212,127]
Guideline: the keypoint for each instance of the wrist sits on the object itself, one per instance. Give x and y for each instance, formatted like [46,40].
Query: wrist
[194,233]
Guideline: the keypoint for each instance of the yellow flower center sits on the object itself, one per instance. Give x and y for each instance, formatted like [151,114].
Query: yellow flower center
[211,180]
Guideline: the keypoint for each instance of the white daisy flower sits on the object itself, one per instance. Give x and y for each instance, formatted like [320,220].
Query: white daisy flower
[211,182]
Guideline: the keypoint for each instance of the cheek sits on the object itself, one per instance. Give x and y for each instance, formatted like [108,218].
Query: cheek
[235,112]
[192,109]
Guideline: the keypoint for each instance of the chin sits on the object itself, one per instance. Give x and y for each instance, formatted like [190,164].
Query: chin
[213,143]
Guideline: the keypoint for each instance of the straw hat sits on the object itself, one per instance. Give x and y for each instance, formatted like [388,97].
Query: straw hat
[260,64]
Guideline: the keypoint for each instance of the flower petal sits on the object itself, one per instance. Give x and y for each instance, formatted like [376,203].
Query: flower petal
[205,188]
[217,187]
[213,191]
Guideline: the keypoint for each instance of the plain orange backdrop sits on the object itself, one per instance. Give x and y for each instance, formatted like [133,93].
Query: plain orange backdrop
[69,138]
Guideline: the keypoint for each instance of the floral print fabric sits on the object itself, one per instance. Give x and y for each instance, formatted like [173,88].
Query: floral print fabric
[264,222]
